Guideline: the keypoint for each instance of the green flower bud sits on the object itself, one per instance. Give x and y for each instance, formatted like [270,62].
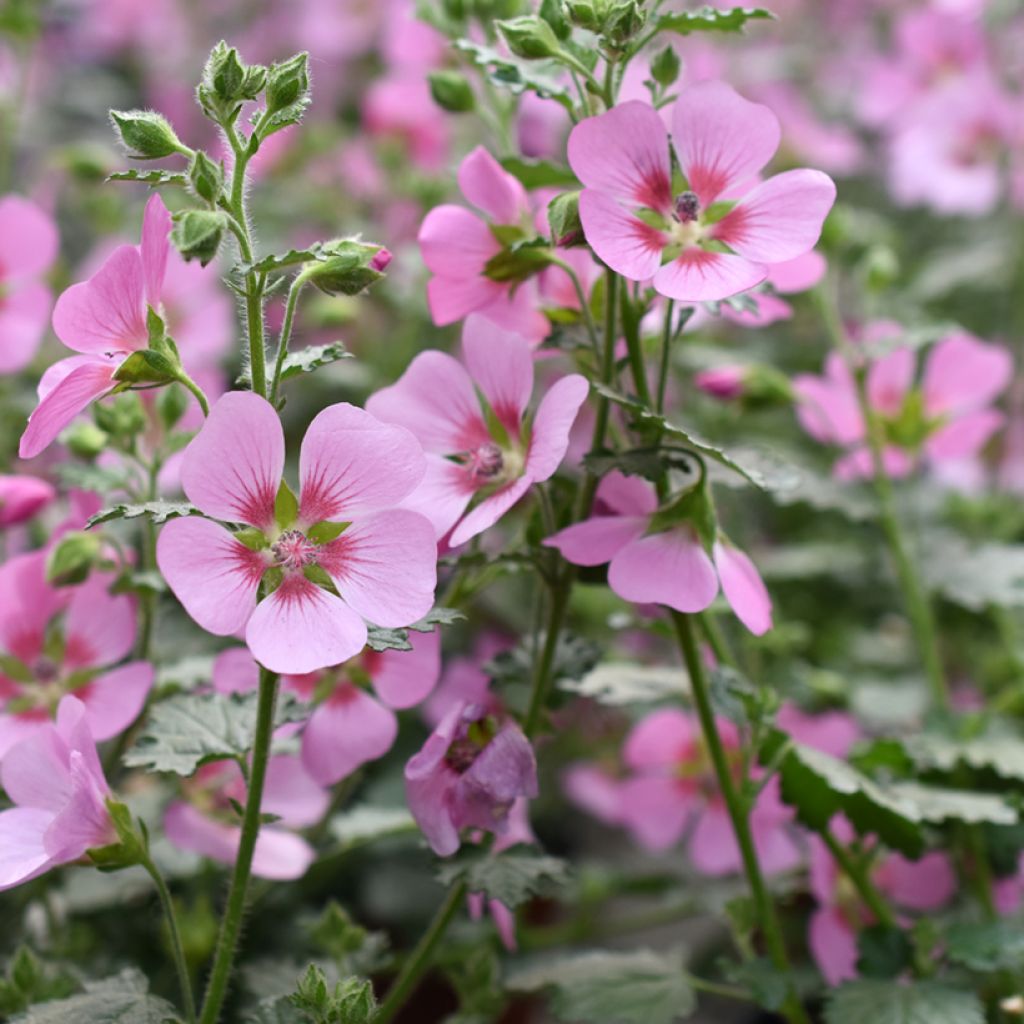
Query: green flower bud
[350,267]
[72,559]
[623,22]
[197,234]
[529,37]
[588,14]
[206,176]
[288,83]
[451,91]
[553,12]
[122,418]
[85,439]
[147,367]
[564,219]
[146,135]
[665,67]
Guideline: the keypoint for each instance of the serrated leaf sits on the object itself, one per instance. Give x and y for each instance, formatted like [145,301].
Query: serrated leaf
[190,729]
[712,19]
[891,1002]
[935,805]
[380,638]
[158,512]
[986,945]
[282,261]
[606,987]
[974,576]
[122,999]
[539,173]
[366,824]
[307,360]
[621,683]
[511,877]
[436,617]
[154,177]
[1002,755]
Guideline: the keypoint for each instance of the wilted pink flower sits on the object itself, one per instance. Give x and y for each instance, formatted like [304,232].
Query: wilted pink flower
[105,319]
[21,497]
[669,567]
[56,784]
[944,422]
[348,725]
[457,245]
[61,640]
[353,470]
[470,453]
[28,247]
[925,884]
[722,142]
[206,822]
[469,774]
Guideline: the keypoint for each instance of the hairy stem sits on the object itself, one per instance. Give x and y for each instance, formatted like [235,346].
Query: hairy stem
[177,949]
[861,878]
[286,335]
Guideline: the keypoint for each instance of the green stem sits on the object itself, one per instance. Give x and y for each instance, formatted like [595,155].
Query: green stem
[735,805]
[588,317]
[231,923]
[861,878]
[631,329]
[420,958]
[542,676]
[177,949]
[666,348]
[286,335]
[186,381]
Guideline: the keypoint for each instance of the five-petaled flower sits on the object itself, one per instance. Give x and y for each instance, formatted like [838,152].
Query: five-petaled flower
[338,555]
[696,242]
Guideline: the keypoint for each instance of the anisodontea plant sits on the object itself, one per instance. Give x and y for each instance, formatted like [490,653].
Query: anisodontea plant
[620,625]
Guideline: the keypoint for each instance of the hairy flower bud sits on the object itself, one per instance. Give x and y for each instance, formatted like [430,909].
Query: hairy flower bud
[197,234]
[529,37]
[288,83]
[206,176]
[146,135]
[451,91]
[71,560]
[564,220]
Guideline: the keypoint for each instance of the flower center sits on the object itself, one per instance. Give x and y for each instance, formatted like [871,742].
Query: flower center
[293,550]
[45,669]
[687,207]
[486,462]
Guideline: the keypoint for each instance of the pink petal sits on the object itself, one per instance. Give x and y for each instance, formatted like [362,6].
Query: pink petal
[427,795]
[833,945]
[860,464]
[22,853]
[443,494]
[385,567]
[963,374]
[235,671]
[232,469]
[721,139]
[212,574]
[598,793]
[781,218]
[76,392]
[24,314]
[517,310]
[404,678]
[346,731]
[22,497]
[107,312]
[99,627]
[292,793]
[662,740]
[456,243]
[489,511]
[27,604]
[115,699]
[490,188]
[798,274]
[453,298]
[15,728]
[827,406]
[963,437]
[743,588]
[28,238]
[436,400]
[833,732]
[36,772]
[501,365]
[281,856]
[656,810]
[598,540]
[627,495]
[156,230]
[699,275]
[925,884]
[624,155]
[549,439]
[300,628]
[889,380]
[627,244]
[84,821]
[352,463]
[669,568]
[713,848]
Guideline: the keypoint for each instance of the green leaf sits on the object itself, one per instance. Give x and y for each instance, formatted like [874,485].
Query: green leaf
[987,945]
[883,952]
[574,658]
[517,76]
[712,19]
[934,805]
[158,512]
[621,683]
[154,177]
[892,1002]
[380,638]
[974,576]
[366,824]
[308,359]
[511,877]
[437,617]
[606,987]
[189,729]
[539,173]
[282,261]
[650,463]
[122,999]
[1001,755]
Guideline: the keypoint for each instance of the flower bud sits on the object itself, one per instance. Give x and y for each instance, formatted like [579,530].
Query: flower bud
[350,267]
[227,82]
[71,560]
[85,439]
[723,382]
[553,12]
[624,20]
[146,135]
[206,176]
[288,83]
[564,220]
[530,37]
[588,14]
[665,67]
[451,91]
[197,234]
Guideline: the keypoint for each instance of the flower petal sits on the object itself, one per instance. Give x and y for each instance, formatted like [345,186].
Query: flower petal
[597,540]
[963,374]
[700,275]
[626,495]
[489,511]
[28,238]
[232,469]
[22,853]
[743,588]
[549,438]
[456,243]
[24,314]
[501,365]
[404,678]
[661,740]
[115,699]
[443,494]
[627,244]
[27,604]
[292,793]
[656,810]
[346,731]
[235,671]
[833,945]
[670,568]
[156,230]
[99,627]
[963,437]
[490,188]
[889,379]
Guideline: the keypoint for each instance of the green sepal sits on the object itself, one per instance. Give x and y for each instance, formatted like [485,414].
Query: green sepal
[146,367]
[131,846]
[286,507]
[253,539]
[14,668]
[320,576]
[324,532]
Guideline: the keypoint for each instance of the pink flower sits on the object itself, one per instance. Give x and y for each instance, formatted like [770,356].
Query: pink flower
[400,106]
[671,789]
[28,247]
[353,470]
[796,275]
[944,422]
[469,774]
[56,784]
[207,822]
[457,245]
[920,885]
[103,318]
[669,567]
[723,382]
[62,640]
[21,497]
[470,453]
[722,142]
[348,726]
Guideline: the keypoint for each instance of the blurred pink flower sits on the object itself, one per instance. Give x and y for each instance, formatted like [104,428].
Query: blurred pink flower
[21,497]
[399,106]
[353,470]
